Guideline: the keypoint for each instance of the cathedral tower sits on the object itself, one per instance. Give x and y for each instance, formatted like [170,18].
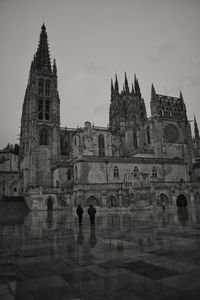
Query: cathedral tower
[127,115]
[171,128]
[40,121]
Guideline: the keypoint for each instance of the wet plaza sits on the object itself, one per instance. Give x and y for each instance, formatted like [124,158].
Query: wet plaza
[128,255]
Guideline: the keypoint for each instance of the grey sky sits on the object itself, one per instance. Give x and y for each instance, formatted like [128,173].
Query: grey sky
[91,41]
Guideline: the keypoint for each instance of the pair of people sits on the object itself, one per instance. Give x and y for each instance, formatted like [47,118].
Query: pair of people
[91,212]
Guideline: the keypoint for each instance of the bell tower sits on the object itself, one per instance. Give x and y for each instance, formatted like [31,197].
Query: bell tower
[40,121]
[127,115]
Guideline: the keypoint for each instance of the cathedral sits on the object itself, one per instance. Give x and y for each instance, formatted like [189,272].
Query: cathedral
[135,162]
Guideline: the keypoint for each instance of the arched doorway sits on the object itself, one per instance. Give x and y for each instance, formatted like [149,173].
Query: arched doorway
[181,201]
[112,201]
[92,200]
[49,204]
[163,200]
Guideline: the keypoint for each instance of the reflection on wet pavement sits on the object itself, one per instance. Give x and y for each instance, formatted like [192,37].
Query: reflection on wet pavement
[128,255]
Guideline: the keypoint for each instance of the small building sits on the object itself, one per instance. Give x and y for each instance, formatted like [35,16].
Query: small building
[9,171]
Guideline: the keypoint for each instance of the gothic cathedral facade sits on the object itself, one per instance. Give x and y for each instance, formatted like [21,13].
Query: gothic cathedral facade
[135,162]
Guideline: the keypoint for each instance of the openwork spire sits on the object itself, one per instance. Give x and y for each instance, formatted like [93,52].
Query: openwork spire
[43,61]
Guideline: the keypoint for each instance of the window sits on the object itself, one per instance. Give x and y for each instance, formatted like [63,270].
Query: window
[40,110]
[148,135]
[47,88]
[101,145]
[69,174]
[47,110]
[43,137]
[154,172]
[135,140]
[76,172]
[135,172]
[41,86]
[15,190]
[116,172]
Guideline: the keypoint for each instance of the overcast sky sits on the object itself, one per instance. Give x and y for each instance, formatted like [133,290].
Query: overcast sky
[159,40]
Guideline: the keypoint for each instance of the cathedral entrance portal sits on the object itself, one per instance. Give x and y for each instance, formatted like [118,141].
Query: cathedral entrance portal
[181,201]
[49,204]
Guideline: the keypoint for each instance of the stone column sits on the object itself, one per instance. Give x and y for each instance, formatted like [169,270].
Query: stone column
[103,199]
[120,198]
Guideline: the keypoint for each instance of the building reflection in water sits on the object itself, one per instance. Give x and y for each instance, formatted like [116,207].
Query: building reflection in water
[80,237]
[183,215]
[49,219]
[92,238]
[55,236]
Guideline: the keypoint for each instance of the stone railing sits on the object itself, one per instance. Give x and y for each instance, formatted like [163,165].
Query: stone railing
[97,186]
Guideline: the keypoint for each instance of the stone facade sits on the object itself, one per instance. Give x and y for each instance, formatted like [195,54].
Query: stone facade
[135,162]
[9,175]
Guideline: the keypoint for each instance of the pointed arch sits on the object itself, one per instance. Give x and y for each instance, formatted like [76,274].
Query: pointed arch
[101,145]
[148,135]
[135,172]
[69,175]
[154,172]
[47,88]
[40,86]
[43,137]
[135,143]
[116,172]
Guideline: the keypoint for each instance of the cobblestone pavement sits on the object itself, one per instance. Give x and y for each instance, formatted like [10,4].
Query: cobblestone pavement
[128,255]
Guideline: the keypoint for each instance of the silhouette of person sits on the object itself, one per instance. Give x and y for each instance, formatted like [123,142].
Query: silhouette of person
[92,212]
[80,212]
[80,237]
[92,239]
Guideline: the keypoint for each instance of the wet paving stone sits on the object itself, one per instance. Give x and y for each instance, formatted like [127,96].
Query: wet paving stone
[129,255]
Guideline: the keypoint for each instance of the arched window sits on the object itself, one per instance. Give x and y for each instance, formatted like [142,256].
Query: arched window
[41,87]
[43,137]
[148,135]
[135,140]
[154,172]
[135,172]
[101,145]
[47,110]
[116,172]
[47,88]
[69,174]
[76,172]
[40,109]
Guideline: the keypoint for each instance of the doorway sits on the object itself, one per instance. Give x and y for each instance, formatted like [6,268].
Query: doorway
[181,201]
[49,204]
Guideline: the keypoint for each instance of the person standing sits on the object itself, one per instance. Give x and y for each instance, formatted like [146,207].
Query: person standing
[80,212]
[92,212]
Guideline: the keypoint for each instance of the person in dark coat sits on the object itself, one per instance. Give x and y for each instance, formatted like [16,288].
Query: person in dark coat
[80,212]
[92,212]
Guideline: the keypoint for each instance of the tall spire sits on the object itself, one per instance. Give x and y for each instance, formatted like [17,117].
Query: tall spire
[116,84]
[43,61]
[196,130]
[126,87]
